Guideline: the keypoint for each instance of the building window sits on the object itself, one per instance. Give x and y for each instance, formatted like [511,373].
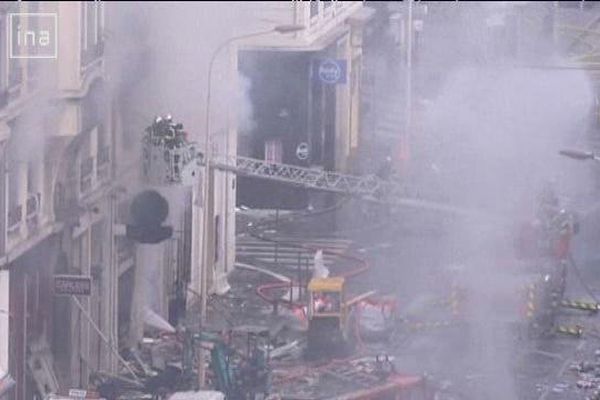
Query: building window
[314,8]
[96,22]
[327,4]
[15,207]
[86,168]
[15,210]
[91,21]
[31,184]
[83,26]
[217,233]
[14,69]
[100,16]
[13,185]
[103,153]
[15,73]
[3,62]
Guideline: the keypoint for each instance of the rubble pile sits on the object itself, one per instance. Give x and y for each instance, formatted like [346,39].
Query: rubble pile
[333,379]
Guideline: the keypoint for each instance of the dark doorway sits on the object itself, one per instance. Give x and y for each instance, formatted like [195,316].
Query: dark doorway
[279,96]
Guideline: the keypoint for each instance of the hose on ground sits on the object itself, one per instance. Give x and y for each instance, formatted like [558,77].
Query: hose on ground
[262,290]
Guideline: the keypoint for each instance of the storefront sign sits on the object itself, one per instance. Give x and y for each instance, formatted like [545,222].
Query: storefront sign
[77,285]
[78,393]
[330,71]
[302,151]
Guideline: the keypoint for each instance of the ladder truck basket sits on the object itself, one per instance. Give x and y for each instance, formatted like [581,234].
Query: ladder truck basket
[169,159]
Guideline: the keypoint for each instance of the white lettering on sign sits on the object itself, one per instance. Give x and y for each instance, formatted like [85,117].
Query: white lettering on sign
[72,285]
[329,71]
[78,393]
[302,151]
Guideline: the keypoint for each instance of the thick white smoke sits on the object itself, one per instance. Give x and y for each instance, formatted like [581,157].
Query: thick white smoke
[493,131]
[487,138]
[246,121]
[158,56]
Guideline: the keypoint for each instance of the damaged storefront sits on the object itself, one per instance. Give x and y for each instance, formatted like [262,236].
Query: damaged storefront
[305,103]
[30,322]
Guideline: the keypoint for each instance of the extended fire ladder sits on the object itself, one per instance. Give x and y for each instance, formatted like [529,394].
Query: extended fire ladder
[169,158]
[368,187]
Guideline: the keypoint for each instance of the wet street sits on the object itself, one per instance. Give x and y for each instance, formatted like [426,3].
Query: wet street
[407,256]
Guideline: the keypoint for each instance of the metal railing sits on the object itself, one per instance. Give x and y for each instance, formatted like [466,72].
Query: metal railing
[305,177]
[369,187]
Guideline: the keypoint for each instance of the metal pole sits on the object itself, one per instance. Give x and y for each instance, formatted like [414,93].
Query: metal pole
[104,338]
[206,262]
[555,15]
[112,289]
[309,117]
[409,49]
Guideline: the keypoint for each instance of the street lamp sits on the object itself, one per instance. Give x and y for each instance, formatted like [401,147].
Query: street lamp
[579,155]
[281,29]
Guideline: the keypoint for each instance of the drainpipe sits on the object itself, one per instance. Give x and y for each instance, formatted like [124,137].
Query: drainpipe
[409,47]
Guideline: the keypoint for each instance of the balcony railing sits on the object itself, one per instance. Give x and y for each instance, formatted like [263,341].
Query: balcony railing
[15,216]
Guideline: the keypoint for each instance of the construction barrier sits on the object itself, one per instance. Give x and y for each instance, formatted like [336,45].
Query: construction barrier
[530,311]
[581,305]
[576,330]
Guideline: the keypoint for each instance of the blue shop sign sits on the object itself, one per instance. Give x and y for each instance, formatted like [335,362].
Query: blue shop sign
[330,71]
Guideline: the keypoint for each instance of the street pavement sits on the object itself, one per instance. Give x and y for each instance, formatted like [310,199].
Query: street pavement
[290,255]
[406,257]
[406,262]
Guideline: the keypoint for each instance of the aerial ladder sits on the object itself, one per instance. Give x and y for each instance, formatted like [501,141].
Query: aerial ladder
[170,159]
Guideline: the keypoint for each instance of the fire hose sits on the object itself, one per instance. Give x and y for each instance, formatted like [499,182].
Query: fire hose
[264,291]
